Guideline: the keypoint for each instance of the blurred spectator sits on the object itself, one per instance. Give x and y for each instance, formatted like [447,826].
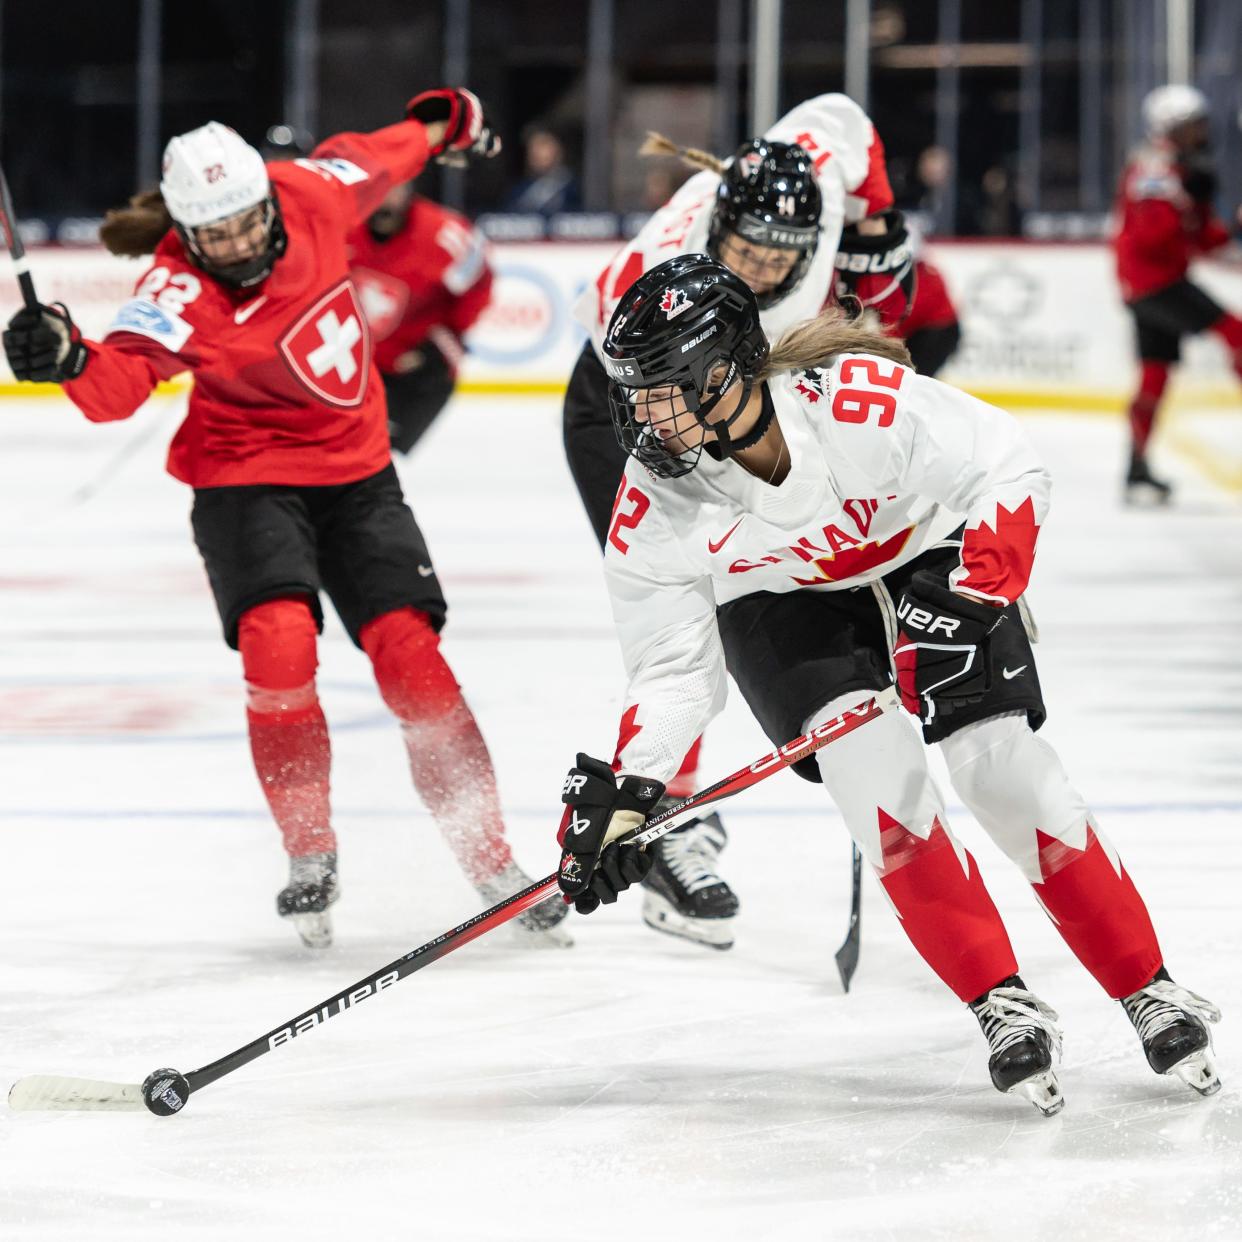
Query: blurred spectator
[549,186]
[999,214]
[922,192]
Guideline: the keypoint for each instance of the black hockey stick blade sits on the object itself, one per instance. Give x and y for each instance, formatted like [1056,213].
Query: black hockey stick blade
[12,239]
[166,1091]
[847,954]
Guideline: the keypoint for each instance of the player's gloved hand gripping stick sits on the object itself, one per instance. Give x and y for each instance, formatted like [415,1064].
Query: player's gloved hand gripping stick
[165,1091]
[41,342]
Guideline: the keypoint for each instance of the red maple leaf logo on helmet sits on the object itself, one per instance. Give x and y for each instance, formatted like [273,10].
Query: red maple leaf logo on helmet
[674,302]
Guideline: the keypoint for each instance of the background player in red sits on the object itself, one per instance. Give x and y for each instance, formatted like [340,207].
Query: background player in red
[423,276]
[930,329]
[285,443]
[1166,219]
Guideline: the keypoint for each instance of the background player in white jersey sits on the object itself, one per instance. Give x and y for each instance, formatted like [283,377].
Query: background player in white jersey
[819,516]
[810,195]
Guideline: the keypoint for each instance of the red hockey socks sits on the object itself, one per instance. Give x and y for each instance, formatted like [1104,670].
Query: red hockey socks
[1152,380]
[449,762]
[288,734]
[1099,913]
[1229,329]
[936,889]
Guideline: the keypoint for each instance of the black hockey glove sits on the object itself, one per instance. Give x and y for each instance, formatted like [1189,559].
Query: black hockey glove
[466,131]
[942,648]
[44,345]
[594,867]
[878,268]
[1199,178]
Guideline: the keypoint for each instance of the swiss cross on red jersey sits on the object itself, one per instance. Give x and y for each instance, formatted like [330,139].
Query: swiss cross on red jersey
[384,299]
[329,348]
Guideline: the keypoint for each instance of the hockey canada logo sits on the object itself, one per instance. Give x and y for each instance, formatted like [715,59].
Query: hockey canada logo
[811,385]
[749,164]
[674,302]
[328,349]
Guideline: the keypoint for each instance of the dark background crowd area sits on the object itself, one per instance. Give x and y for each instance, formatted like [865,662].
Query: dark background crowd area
[998,115]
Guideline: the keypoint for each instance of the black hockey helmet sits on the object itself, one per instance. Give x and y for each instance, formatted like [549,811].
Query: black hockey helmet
[768,195]
[675,326]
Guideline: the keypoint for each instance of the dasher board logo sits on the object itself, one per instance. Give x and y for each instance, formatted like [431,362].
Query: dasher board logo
[329,348]
[674,302]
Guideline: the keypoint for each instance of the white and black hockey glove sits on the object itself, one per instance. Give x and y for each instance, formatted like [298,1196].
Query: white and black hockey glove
[466,130]
[942,656]
[44,345]
[878,268]
[598,810]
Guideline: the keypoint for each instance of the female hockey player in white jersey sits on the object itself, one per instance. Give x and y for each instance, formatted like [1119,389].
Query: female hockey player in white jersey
[797,514]
[810,193]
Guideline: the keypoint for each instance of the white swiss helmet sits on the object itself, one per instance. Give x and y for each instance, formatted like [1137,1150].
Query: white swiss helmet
[1167,107]
[211,173]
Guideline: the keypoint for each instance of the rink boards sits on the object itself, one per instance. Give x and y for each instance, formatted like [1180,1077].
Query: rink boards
[1043,323]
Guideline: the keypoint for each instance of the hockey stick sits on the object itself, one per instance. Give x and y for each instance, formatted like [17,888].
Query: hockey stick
[165,1091]
[847,954]
[8,218]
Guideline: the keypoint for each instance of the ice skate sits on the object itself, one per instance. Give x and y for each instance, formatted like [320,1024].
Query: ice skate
[683,894]
[1024,1041]
[1142,488]
[304,901]
[539,927]
[1172,1023]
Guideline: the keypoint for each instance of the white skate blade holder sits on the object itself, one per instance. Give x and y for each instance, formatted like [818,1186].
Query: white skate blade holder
[47,1092]
[1198,1072]
[315,930]
[1044,1091]
[661,915]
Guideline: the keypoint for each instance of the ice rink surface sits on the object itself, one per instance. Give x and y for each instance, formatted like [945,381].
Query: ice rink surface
[635,1086]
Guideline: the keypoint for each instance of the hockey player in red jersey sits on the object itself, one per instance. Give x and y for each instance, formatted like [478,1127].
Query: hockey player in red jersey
[825,522]
[285,444]
[1166,219]
[794,212]
[930,328]
[423,277]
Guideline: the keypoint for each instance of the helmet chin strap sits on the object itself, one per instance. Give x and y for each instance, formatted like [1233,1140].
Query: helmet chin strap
[726,445]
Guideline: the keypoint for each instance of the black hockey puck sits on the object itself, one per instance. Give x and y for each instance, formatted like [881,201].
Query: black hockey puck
[165,1092]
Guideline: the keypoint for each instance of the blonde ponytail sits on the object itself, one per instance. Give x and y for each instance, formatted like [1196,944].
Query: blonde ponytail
[657,144]
[136,230]
[815,341]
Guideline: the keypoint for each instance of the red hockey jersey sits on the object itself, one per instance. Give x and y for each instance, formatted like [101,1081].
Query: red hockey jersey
[433,273]
[932,307]
[285,386]
[1160,228]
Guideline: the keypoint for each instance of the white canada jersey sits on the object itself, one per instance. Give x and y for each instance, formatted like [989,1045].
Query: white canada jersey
[849,165]
[884,464]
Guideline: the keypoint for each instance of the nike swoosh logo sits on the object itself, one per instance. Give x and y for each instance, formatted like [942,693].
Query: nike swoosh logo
[1010,676]
[244,312]
[425,571]
[715,547]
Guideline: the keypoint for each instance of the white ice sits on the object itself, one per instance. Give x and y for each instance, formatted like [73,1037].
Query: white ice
[636,1086]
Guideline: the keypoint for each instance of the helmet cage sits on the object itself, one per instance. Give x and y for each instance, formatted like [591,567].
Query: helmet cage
[640,437]
[247,272]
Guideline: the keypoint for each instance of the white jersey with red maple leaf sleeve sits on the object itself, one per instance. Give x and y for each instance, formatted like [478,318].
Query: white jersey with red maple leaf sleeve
[884,464]
[849,165]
